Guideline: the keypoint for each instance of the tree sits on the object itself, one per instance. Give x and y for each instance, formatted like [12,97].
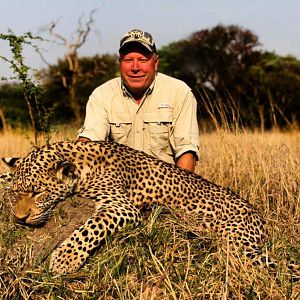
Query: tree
[214,62]
[73,62]
[212,56]
[93,71]
[277,89]
[13,110]
[31,89]
[233,80]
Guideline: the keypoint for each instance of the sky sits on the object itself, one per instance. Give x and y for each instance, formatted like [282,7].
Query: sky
[275,22]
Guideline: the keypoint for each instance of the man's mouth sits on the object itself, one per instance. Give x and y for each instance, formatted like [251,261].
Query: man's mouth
[136,77]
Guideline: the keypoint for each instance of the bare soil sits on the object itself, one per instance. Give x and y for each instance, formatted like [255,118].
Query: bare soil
[40,242]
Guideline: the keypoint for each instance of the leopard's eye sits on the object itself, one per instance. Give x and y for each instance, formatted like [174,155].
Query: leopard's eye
[33,194]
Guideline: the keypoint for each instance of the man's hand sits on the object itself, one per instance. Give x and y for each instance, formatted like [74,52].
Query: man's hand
[187,161]
[83,139]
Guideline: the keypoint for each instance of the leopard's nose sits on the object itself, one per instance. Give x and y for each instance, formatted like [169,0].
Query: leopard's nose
[21,220]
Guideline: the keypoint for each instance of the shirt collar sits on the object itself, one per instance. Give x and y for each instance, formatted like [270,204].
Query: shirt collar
[148,91]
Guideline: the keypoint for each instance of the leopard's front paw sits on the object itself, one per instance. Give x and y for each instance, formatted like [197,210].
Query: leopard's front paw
[66,259]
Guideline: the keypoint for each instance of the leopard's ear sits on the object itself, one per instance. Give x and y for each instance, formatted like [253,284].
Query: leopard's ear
[66,171]
[11,161]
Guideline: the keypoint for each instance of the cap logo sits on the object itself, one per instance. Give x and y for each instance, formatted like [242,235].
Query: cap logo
[139,36]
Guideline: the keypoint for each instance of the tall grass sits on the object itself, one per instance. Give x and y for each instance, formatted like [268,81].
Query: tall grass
[17,143]
[167,257]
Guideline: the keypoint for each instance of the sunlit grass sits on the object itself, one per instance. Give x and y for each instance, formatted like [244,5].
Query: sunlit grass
[166,257]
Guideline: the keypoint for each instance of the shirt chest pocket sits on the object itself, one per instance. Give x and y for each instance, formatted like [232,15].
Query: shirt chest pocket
[120,125]
[159,126]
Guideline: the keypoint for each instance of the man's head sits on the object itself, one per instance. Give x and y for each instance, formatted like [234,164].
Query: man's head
[138,61]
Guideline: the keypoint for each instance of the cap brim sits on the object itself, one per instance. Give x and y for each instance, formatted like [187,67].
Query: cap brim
[127,44]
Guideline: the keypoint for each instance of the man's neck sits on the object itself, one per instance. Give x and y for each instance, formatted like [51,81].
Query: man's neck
[138,96]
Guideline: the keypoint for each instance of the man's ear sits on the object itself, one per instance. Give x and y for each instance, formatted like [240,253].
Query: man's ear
[11,161]
[156,62]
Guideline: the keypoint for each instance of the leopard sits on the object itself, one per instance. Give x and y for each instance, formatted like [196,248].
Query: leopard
[123,181]
[8,176]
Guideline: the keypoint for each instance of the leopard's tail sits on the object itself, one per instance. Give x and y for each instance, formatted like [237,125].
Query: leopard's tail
[262,258]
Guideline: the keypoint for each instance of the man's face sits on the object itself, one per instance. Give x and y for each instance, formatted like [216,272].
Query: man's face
[138,69]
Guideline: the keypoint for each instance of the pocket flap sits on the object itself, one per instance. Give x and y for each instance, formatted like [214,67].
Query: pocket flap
[158,117]
[118,119]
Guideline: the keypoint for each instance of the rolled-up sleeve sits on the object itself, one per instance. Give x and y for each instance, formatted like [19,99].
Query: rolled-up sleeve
[185,133]
[96,125]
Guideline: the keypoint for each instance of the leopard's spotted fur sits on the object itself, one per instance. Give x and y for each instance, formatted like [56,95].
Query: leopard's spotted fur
[122,181]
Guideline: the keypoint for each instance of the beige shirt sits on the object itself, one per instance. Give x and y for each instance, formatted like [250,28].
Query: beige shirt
[163,125]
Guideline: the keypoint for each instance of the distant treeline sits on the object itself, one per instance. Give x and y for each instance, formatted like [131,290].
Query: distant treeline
[234,81]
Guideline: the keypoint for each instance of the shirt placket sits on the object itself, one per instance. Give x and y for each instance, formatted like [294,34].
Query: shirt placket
[138,124]
[136,112]
[135,138]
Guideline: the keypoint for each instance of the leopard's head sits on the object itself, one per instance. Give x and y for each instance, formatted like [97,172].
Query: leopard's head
[41,180]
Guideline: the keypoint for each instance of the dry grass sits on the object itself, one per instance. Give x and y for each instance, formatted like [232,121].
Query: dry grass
[19,143]
[166,257]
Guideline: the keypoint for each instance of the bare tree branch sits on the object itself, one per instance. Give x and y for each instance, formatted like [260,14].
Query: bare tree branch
[83,33]
[72,47]
[51,28]
[44,60]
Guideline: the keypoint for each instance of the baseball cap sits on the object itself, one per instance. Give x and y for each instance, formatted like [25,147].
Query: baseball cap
[138,36]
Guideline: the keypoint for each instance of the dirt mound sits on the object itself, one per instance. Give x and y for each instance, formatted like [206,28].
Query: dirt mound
[35,245]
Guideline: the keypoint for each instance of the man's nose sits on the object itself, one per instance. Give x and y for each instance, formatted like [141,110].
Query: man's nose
[135,65]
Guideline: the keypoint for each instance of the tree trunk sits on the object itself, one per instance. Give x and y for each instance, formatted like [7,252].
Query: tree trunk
[74,103]
[261,118]
[3,121]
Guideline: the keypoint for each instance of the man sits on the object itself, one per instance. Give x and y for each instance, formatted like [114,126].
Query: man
[144,109]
